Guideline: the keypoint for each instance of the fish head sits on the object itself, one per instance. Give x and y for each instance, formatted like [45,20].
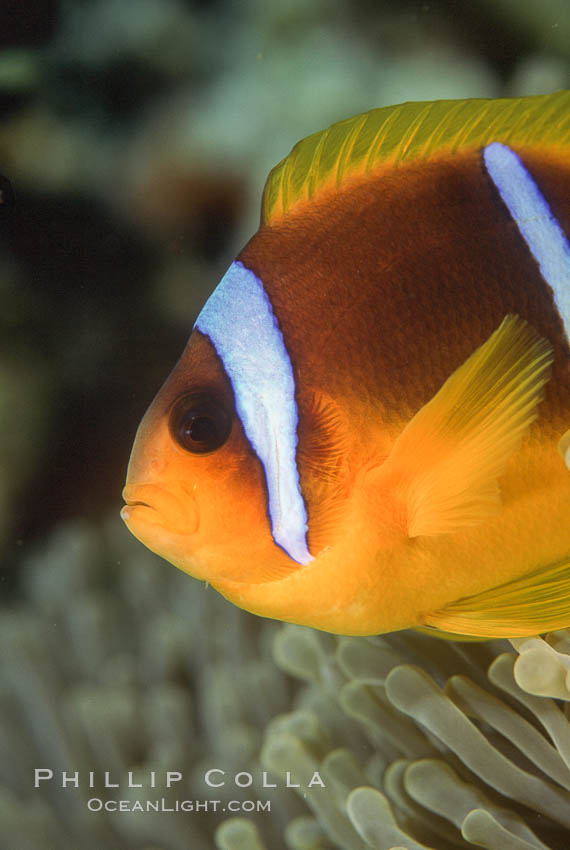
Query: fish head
[195,490]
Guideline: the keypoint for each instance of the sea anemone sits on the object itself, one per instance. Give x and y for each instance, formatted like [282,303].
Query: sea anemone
[115,662]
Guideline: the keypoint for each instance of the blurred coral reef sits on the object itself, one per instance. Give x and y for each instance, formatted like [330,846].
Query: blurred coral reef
[137,136]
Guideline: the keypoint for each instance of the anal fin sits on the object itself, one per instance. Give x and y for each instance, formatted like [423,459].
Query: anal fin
[444,467]
[431,631]
[538,602]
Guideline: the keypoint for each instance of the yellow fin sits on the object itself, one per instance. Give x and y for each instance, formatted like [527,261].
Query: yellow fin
[564,448]
[358,147]
[444,466]
[537,602]
[431,631]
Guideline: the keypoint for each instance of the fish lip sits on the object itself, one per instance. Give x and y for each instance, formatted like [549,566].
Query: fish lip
[131,496]
[172,508]
[131,503]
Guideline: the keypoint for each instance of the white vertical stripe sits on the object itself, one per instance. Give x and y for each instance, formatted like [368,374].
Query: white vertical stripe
[238,319]
[535,220]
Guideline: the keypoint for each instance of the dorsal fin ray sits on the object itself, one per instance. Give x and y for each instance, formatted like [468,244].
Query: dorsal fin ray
[353,149]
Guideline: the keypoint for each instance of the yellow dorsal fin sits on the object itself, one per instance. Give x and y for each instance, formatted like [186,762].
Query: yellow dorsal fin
[354,149]
[444,466]
[538,602]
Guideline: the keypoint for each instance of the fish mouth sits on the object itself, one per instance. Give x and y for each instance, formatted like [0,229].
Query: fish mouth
[132,503]
[153,504]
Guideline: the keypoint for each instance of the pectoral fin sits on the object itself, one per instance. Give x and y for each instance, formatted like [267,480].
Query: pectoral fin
[445,465]
[564,448]
[538,602]
[322,460]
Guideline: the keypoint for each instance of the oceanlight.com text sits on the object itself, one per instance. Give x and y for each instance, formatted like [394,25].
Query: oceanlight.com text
[96,804]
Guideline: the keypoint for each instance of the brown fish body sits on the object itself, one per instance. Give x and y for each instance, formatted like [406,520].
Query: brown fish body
[383,290]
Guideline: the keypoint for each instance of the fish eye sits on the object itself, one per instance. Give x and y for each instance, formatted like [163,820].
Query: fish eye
[200,423]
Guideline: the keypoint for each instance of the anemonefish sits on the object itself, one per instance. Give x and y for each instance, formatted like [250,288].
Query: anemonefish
[369,428]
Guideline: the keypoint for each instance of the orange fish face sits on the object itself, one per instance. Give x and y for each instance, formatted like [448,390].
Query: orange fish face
[195,490]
